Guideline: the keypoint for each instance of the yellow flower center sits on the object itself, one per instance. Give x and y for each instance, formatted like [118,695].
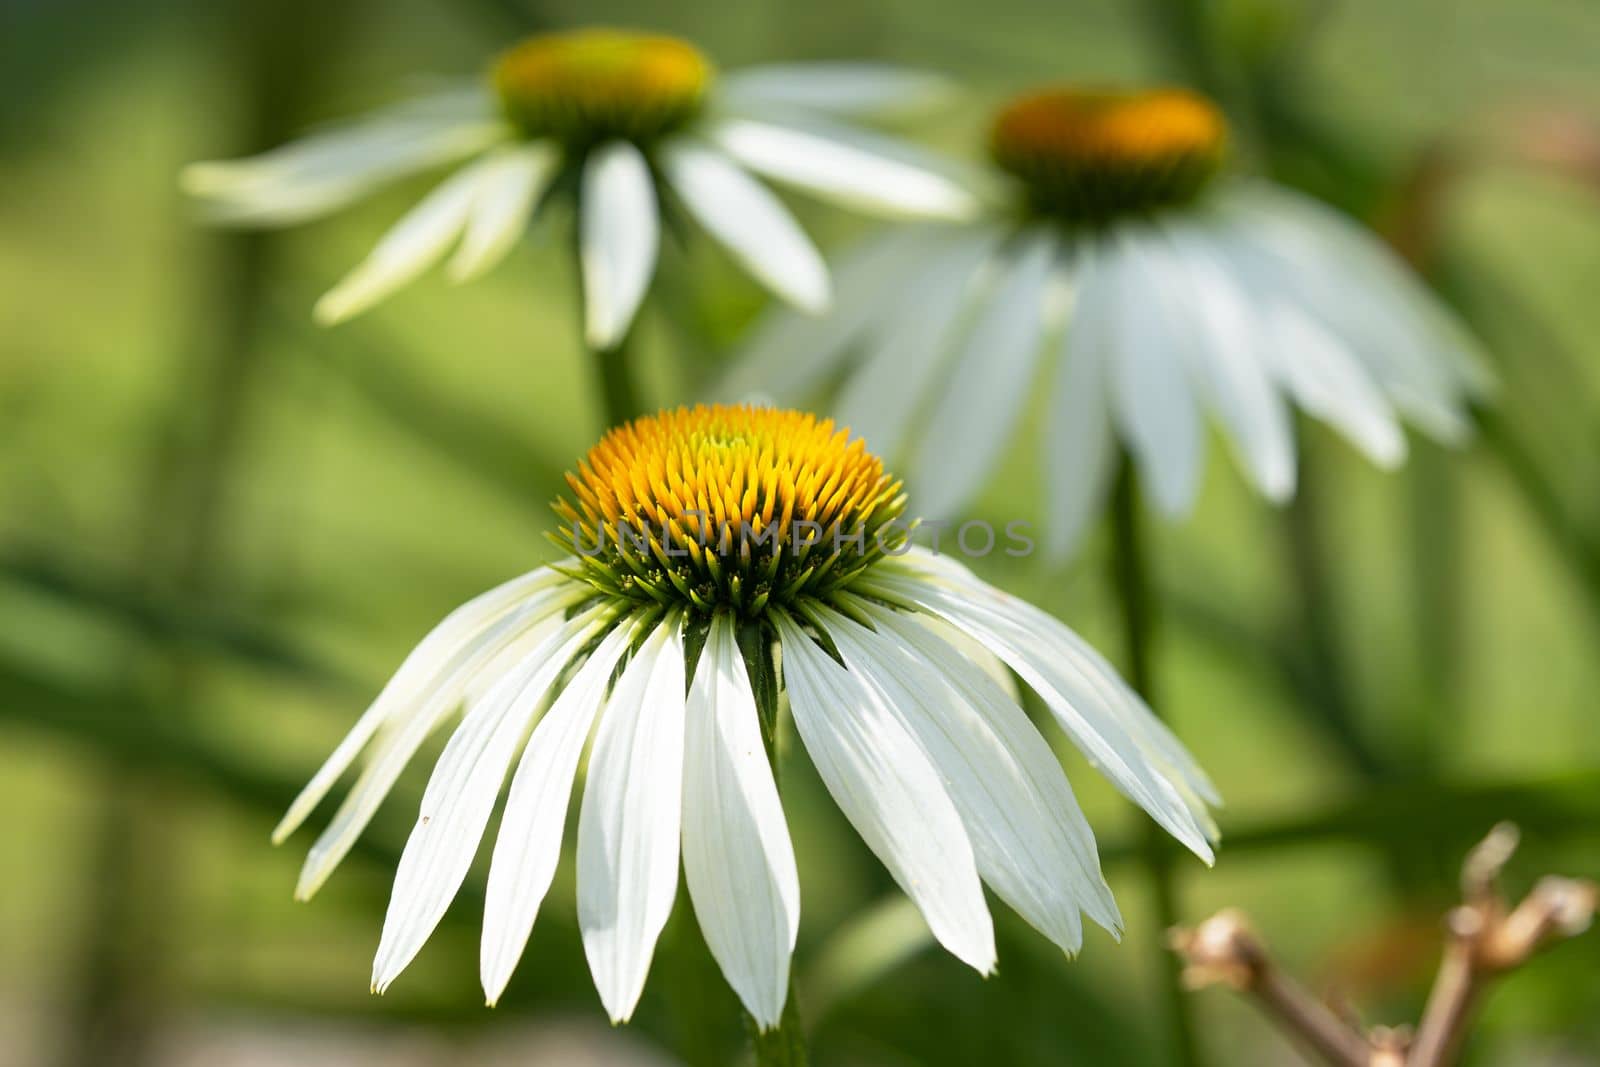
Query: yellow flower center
[728,506]
[585,86]
[1089,156]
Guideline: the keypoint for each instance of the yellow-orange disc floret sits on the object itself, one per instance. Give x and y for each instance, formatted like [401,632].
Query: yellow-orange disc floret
[728,506]
[585,86]
[1091,155]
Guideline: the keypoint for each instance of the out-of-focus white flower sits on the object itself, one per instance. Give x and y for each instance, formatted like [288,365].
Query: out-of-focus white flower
[1185,296]
[623,121]
[721,557]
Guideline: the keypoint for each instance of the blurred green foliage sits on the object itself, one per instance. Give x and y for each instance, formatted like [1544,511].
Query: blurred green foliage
[220,527]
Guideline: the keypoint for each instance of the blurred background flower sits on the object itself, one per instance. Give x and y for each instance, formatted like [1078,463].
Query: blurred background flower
[634,127]
[1116,278]
[221,528]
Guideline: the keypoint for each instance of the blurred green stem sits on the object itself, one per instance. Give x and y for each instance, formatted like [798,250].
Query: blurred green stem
[785,1044]
[1437,597]
[1131,575]
[1581,550]
[1183,31]
[619,391]
[1317,605]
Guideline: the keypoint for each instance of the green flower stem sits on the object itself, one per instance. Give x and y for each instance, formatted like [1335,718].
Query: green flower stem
[1318,622]
[619,391]
[784,1045]
[1579,548]
[1182,30]
[1437,597]
[1131,575]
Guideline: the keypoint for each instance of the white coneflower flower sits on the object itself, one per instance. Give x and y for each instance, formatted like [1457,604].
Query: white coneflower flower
[623,120]
[721,556]
[1185,294]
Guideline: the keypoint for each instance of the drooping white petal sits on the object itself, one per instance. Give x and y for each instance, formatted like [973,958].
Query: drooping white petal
[514,180]
[436,656]
[326,170]
[1080,446]
[891,793]
[461,793]
[1224,347]
[1423,359]
[905,356]
[982,678]
[1152,733]
[1318,369]
[1152,397]
[529,844]
[1009,789]
[977,415]
[508,659]
[1443,340]
[737,858]
[858,90]
[975,653]
[629,823]
[1104,718]
[460,99]
[618,238]
[405,731]
[415,243]
[789,353]
[1330,384]
[752,223]
[857,169]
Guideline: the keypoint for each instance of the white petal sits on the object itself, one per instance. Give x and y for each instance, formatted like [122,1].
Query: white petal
[1442,339]
[977,654]
[415,243]
[1318,369]
[619,234]
[437,655]
[1031,841]
[514,180]
[906,355]
[460,797]
[1225,348]
[1152,733]
[405,732]
[1103,717]
[737,858]
[1152,397]
[789,354]
[630,820]
[324,171]
[890,792]
[740,213]
[1420,356]
[1332,385]
[853,168]
[529,844]
[865,90]
[1080,447]
[977,415]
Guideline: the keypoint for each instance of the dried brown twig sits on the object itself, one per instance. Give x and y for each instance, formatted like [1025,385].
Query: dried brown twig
[1486,938]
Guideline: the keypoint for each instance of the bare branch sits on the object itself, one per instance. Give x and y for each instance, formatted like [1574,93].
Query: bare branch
[1486,938]
[1224,950]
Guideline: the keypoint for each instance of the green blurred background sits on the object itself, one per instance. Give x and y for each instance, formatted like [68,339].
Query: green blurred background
[221,527]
